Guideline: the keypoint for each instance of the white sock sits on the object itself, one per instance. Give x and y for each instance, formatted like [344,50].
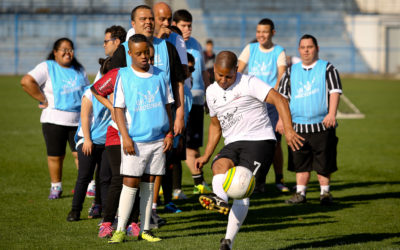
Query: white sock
[217,182]
[126,201]
[236,217]
[324,189]
[146,198]
[301,189]
[154,206]
[57,185]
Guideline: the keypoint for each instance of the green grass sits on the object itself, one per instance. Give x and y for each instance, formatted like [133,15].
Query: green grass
[366,189]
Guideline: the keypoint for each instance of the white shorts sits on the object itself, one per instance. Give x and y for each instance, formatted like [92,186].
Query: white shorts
[149,159]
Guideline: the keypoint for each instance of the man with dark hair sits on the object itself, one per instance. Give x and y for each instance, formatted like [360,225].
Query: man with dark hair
[183,20]
[267,61]
[313,89]
[238,112]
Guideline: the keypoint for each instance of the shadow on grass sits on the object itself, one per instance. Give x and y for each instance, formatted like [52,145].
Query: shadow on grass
[344,240]
[269,214]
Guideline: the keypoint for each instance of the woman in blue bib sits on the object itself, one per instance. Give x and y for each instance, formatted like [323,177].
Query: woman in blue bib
[58,84]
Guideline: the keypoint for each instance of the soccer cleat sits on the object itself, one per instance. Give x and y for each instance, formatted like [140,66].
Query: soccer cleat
[118,237]
[326,199]
[156,221]
[297,198]
[133,230]
[225,244]
[94,211]
[105,230]
[282,188]
[213,202]
[178,195]
[91,190]
[149,236]
[171,208]
[202,189]
[55,193]
[74,215]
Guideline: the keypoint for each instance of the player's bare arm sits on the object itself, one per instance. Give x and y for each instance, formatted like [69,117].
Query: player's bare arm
[31,87]
[127,142]
[179,123]
[241,66]
[86,110]
[106,102]
[281,71]
[169,137]
[330,118]
[292,138]
[214,134]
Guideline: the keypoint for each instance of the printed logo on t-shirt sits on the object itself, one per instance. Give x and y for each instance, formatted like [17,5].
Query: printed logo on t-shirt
[306,89]
[146,101]
[261,69]
[70,86]
[229,119]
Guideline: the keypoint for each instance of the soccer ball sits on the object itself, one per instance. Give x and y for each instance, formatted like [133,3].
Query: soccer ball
[239,182]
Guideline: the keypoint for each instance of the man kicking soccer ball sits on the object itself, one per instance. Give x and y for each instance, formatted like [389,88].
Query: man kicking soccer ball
[238,112]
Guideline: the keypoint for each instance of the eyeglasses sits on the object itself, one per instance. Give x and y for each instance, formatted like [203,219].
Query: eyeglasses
[109,40]
[66,50]
[191,69]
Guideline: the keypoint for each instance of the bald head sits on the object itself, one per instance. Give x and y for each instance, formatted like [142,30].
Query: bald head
[226,59]
[162,16]
[161,7]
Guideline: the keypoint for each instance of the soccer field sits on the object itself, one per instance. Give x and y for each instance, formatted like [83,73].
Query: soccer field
[366,189]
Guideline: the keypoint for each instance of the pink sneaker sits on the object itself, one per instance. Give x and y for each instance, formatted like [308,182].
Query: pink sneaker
[105,230]
[133,230]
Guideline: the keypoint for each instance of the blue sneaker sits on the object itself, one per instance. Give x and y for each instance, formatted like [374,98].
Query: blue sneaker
[171,208]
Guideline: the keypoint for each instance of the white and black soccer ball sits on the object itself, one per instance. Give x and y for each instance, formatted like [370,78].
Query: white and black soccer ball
[239,182]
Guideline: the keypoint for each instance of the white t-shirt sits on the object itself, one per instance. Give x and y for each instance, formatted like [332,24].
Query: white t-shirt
[241,109]
[51,115]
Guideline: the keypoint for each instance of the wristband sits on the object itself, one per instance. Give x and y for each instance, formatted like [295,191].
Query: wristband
[170,135]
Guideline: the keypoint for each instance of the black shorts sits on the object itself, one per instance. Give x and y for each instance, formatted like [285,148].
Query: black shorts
[318,153]
[56,137]
[249,154]
[194,128]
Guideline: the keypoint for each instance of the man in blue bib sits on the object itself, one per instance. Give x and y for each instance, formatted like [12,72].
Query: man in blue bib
[313,89]
[267,61]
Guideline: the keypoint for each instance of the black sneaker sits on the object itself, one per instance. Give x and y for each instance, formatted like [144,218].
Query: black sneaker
[74,215]
[212,201]
[297,198]
[156,221]
[326,199]
[225,244]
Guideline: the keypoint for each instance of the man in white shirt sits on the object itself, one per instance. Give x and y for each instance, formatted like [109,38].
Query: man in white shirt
[238,112]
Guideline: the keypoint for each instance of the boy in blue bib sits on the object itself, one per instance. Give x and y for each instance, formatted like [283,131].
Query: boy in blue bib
[142,103]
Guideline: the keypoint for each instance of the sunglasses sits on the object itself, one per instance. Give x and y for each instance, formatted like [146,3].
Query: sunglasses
[109,40]
[191,69]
